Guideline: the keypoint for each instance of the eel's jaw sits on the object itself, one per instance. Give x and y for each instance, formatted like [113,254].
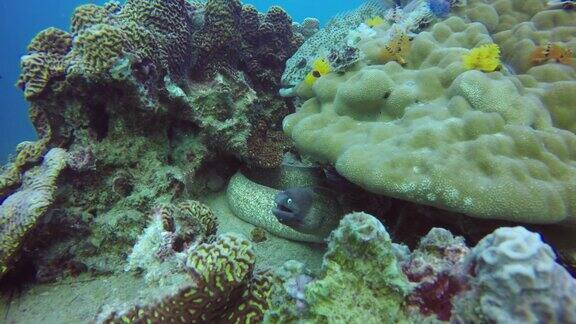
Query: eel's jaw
[285,214]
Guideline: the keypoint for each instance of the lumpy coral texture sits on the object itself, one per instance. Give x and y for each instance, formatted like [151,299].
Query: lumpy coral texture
[484,144]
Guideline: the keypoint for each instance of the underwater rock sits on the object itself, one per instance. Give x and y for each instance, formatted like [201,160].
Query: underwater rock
[516,279]
[222,287]
[360,282]
[436,267]
[175,230]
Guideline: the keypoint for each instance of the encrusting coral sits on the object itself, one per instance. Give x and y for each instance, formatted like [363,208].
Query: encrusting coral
[516,280]
[361,281]
[509,276]
[403,131]
[223,288]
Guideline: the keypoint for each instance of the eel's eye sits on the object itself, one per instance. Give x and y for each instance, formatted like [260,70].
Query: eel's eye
[289,201]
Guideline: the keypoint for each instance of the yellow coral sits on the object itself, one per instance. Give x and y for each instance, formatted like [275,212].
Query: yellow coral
[484,58]
[320,67]
[374,21]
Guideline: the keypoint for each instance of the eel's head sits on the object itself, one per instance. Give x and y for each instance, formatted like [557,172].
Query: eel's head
[292,205]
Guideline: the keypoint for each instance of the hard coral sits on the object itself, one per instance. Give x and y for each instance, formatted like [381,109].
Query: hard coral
[484,58]
[88,15]
[38,70]
[516,280]
[20,212]
[52,41]
[361,281]
[223,288]
[98,48]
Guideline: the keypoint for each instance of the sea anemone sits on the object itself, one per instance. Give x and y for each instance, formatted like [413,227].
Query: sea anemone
[484,58]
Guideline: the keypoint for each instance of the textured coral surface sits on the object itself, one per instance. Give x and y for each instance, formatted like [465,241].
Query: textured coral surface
[484,144]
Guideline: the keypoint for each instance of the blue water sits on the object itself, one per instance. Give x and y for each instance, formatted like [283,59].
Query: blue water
[21,20]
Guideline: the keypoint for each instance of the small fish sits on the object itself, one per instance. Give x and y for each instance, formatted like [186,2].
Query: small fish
[550,51]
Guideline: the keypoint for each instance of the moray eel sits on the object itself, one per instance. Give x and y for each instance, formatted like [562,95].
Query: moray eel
[292,208]
[318,211]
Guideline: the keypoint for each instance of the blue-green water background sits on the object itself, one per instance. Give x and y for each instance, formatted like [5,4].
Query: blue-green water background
[21,20]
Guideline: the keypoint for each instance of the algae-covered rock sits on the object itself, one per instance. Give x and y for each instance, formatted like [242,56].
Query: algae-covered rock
[516,280]
[361,280]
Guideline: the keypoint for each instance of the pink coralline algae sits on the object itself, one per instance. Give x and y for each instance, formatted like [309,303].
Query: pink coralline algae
[435,268]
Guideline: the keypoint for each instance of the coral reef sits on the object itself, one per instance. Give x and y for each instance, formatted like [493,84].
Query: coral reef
[187,149]
[223,288]
[516,280]
[20,212]
[361,280]
[402,131]
[175,230]
[435,268]
[124,93]
[510,276]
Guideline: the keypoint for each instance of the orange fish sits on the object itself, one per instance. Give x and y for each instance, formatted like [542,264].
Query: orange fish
[549,51]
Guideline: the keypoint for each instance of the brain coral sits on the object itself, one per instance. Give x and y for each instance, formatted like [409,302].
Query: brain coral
[430,132]
[99,47]
[51,40]
[224,290]
[87,15]
[20,212]
[45,61]
[516,280]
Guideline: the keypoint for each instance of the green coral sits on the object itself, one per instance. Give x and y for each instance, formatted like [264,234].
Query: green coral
[476,143]
[20,212]
[99,47]
[38,70]
[88,15]
[27,153]
[51,40]
[224,289]
[361,280]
